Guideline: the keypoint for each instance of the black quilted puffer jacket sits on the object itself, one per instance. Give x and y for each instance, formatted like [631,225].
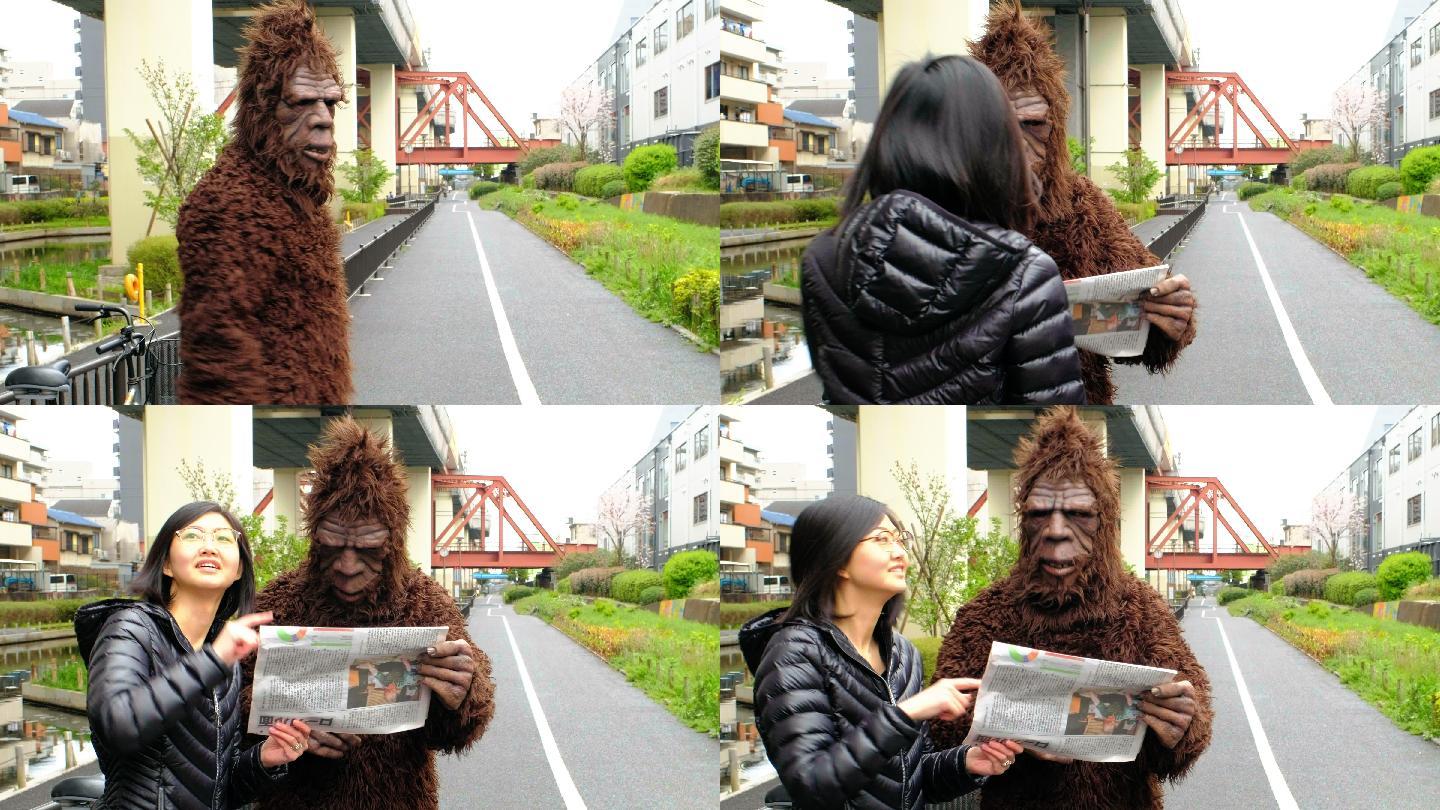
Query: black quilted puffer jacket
[831,725]
[165,718]
[908,303]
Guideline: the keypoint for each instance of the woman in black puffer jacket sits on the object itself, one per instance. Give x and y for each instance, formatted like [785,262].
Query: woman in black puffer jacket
[838,694]
[925,293]
[165,675]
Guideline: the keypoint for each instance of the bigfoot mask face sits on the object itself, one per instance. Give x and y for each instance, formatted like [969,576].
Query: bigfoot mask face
[351,553]
[1059,526]
[1035,129]
[307,116]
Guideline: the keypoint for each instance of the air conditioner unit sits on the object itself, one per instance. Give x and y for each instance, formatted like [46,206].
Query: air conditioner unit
[836,154]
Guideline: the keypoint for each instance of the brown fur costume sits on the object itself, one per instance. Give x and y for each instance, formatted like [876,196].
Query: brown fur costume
[263,315]
[1077,224]
[1108,614]
[357,477]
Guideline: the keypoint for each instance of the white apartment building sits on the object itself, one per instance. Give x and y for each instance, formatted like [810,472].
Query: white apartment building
[676,478]
[20,510]
[788,481]
[1405,75]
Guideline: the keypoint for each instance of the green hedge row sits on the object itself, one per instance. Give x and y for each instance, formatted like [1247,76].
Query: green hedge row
[778,212]
[685,570]
[593,581]
[1231,593]
[515,592]
[592,180]
[480,188]
[628,586]
[1248,190]
[30,211]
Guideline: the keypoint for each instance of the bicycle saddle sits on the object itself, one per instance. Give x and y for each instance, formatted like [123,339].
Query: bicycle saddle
[78,787]
[56,375]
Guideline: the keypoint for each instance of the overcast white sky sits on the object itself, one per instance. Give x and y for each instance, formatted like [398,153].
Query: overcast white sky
[1292,53]
[787,433]
[71,433]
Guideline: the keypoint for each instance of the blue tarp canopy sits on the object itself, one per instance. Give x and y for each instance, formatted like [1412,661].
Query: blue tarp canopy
[777,518]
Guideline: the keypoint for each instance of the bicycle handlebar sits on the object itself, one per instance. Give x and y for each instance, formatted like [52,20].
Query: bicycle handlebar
[110,344]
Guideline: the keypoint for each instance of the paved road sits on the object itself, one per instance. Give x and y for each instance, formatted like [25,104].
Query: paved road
[1330,748]
[430,332]
[618,747]
[1363,344]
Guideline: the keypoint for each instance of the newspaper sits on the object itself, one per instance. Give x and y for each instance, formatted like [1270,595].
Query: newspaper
[1106,310]
[1081,708]
[351,680]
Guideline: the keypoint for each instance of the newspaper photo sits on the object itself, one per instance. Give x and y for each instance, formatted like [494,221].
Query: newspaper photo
[351,680]
[1106,311]
[1081,708]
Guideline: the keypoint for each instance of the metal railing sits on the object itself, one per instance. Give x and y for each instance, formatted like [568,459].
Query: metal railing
[1165,244]
[362,264]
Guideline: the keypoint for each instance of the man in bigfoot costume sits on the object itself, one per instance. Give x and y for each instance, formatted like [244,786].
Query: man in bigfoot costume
[357,575]
[1069,593]
[263,317]
[1076,223]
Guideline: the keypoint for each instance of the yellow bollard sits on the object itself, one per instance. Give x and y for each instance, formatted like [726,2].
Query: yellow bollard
[140,272]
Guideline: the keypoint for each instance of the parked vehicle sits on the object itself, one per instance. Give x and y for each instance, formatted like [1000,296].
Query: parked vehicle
[24,184]
[798,182]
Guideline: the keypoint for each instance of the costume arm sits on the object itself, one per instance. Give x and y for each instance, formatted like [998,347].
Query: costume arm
[818,769]
[128,707]
[1044,365]
[452,731]
[962,655]
[1169,650]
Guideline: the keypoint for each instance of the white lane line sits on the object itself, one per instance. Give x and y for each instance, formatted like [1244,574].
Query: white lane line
[1313,386]
[455,208]
[518,375]
[547,739]
[1278,787]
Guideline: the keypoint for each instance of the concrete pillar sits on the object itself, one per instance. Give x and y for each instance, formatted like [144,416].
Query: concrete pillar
[220,436]
[383,133]
[911,29]
[1152,119]
[286,501]
[422,501]
[1000,500]
[932,437]
[339,27]
[1175,176]
[1133,506]
[408,179]
[177,33]
[1067,47]
[1107,73]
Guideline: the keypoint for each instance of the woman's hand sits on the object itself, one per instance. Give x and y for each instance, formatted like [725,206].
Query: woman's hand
[1170,306]
[992,757]
[287,741]
[238,639]
[946,699]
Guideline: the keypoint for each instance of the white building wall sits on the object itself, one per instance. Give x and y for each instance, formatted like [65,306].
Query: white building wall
[1419,476]
[699,476]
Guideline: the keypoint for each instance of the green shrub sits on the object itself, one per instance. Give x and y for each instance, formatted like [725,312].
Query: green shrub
[1341,588]
[1248,190]
[929,649]
[1137,211]
[560,153]
[1329,177]
[1311,158]
[707,156]
[361,212]
[1277,588]
[577,560]
[614,188]
[527,182]
[1429,589]
[1278,201]
[563,586]
[1341,203]
[514,592]
[735,614]
[628,585]
[696,296]
[646,163]
[1419,167]
[480,188]
[1399,571]
[709,589]
[1366,597]
[557,176]
[591,180]
[1308,584]
[651,595]
[161,259]
[593,581]
[779,212]
[1290,563]
[1318,609]
[1389,191]
[1230,594]
[49,611]
[1366,181]
[1297,182]
[687,568]
[686,179]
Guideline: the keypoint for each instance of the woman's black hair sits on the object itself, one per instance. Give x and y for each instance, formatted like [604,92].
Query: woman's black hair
[948,132]
[153,585]
[825,535]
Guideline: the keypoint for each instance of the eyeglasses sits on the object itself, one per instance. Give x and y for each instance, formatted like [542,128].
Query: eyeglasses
[194,536]
[890,540]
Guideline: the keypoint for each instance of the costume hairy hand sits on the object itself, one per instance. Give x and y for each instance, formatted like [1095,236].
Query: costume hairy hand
[1105,613]
[359,482]
[263,315]
[1078,225]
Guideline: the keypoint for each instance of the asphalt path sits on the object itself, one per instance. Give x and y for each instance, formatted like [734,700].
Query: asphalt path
[524,325]
[612,746]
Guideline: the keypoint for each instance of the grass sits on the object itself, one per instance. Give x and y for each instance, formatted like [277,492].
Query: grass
[85,273]
[667,270]
[734,614]
[675,662]
[1394,666]
[68,222]
[1400,251]
[70,675]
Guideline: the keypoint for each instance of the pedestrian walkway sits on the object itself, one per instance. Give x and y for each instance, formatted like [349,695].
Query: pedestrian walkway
[1284,320]
[1322,746]
[553,742]
[1149,229]
[478,310]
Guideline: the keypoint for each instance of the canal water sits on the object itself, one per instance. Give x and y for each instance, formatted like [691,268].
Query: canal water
[14,323]
[755,768]
[43,731]
[762,340]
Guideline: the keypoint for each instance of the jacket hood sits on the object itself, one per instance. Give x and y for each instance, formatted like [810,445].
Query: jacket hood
[906,265]
[89,619]
[756,633]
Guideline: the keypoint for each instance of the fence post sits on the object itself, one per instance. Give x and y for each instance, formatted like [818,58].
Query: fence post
[20,780]
[31,355]
[65,328]
[69,283]
[70,757]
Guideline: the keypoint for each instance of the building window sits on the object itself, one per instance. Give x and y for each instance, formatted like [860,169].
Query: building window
[685,20]
[712,81]
[662,102]
[702,508]
[702,441]
[1415,53]
[640,52]
[1395,459]
[1412,451]
[712,7]
[1434,38]
[681,457]
[662,37]
[1412,511]
[735,71]
[7,470]
[1435,430]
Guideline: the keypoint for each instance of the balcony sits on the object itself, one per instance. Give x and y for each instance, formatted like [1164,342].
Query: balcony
[14,491]
[731,450]
[13,448]
[743,90]
[742,49]
[742,356]
[739,133]
[749,10]
[730,492]
[734,315]
[15,534]
[732,536]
